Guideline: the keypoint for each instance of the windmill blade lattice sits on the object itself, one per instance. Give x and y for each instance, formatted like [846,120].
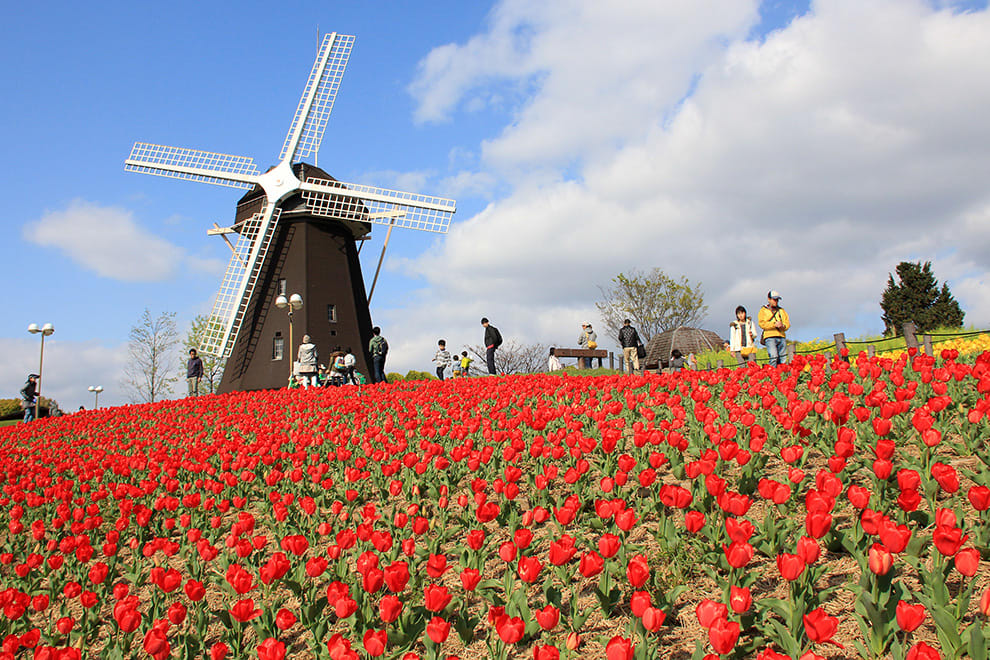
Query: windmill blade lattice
[238,282]
[313,113]
[192,165]
[355,201]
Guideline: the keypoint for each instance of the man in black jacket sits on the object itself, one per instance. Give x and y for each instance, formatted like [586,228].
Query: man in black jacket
[493,339]
[629,340]
[194,372]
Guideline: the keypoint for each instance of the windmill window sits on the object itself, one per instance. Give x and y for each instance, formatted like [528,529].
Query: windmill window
[331,313]
[278,346]
[282,287]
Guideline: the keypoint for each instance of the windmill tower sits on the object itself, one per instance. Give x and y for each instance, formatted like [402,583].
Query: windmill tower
[297,231]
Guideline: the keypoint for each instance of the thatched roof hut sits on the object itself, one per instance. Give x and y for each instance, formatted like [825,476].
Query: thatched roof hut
[686,340]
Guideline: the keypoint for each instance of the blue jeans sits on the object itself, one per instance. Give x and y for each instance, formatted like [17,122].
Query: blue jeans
[777,350]
[378,369]
[29,413]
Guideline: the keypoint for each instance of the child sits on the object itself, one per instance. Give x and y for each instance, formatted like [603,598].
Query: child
[742,335]
[677,360]
[442,358]
[553,363]
[465,364]
[455,366]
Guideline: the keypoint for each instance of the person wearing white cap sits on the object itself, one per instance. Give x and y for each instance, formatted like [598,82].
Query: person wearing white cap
[775,323]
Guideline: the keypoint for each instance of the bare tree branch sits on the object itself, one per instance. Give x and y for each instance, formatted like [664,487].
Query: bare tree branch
[150,374]
[513,357]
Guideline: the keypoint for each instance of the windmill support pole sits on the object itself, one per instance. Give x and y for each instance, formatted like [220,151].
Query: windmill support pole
[381,258]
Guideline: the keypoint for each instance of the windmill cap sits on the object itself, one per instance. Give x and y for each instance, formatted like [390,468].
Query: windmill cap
[774,294]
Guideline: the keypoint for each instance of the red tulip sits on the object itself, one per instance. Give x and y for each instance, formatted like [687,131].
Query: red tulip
[510,629]
[470,579]
[946,476]
[562,550]
[880,560]
[910,616]
[637,571]
[548,617]
[389,608]
[708,611]
[438,629]
[694,521]
[790,566]
[244,610]
[820,626]
[608,545]
[619,648]
[808,550]
[967,561]
[653,618]
[396,576]
[922,651]
[436,598]
[948,539]
[722,635]
[740,599]
[817,524]
[979,497]
[375,642]
[545,652]
[639,601]
[738,554]
[591,564]
[271,649]
[156,643]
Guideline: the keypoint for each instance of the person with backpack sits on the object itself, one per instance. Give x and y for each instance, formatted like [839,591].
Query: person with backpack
[493,339]
[378,348]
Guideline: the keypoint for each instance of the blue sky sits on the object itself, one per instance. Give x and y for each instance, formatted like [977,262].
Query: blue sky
[746,145]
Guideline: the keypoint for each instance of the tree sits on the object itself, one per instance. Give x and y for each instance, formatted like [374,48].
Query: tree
[212,365]
[150,372]
[513,357]
[916,297]
[653,301]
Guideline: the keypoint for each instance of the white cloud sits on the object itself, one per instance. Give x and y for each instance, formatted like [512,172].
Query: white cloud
[108,241]
[812,161]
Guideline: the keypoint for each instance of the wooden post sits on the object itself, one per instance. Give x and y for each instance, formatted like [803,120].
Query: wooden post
[871,350]
[739,357]
[927,339]
[611,361]
[791,351]
[720,364]
[840,341]
[910,339]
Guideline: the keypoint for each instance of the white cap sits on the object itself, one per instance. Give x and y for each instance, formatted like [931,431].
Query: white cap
[774,294]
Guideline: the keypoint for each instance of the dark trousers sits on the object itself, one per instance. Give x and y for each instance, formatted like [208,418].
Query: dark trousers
[378,370]
[490,358]
[440,372]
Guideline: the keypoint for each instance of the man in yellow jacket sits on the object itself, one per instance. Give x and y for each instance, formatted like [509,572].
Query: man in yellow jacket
[775,323]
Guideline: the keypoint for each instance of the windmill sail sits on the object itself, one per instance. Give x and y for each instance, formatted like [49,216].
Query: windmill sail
[310,121]
[238,282]
[355,201]
[192,165]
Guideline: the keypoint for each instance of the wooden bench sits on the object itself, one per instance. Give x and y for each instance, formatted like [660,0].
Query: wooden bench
[581,353]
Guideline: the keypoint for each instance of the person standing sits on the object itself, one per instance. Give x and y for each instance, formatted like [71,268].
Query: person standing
[350,364]
[441,358]
[307,359]
[465,364]
[588,339]
[28,395]
[629,341]
[775,323]
[378,348]
[194,372]
[493,339]
[742,335]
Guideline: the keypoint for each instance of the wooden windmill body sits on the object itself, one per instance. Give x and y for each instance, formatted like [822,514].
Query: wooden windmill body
[297,231]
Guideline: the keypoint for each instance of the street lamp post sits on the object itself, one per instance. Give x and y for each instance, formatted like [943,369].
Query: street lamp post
[44,331]
[290,304]
[96,389]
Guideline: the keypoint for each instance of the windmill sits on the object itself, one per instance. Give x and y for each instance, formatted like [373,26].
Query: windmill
[297,230]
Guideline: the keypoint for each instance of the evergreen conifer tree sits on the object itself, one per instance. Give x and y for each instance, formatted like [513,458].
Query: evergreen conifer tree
[917,297]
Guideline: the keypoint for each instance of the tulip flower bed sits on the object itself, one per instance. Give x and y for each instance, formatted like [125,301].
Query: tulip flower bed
[819,509]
